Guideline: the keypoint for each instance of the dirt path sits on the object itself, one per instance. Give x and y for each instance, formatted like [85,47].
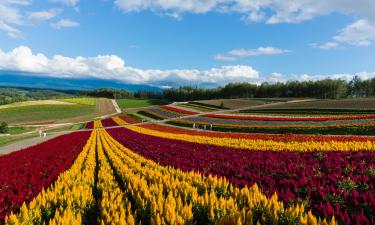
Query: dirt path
[117,108]
[27,143]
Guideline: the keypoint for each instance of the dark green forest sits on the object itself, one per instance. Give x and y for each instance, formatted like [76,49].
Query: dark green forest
[321,89]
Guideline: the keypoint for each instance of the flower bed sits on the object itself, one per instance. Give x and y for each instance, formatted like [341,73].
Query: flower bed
[279,118]
[23,174]
[174,109]
[276,137]
[109,122]
[129,119]
[329,183]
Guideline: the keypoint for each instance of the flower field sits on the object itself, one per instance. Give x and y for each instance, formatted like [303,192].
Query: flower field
[362,124]
[25,173]
[156,174]
[297,177]
[110,183]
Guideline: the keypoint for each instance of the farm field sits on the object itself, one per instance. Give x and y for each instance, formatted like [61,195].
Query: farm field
[154,173]
[361,123]
[138,103]
[32,103]
[83,101]
[43,113]
[354,104]
[240,103]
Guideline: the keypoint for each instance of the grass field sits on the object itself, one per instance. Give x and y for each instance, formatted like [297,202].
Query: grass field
[138,103]
[20,130]
[36,102]
[39,113]
[83,101]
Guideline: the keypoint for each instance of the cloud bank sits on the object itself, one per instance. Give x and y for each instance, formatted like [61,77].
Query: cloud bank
[112,67]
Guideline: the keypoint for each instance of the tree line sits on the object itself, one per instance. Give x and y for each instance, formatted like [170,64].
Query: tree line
[322,89]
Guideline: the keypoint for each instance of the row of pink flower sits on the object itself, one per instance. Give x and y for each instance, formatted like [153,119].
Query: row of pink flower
[279,118]
[330,183]
[23,174]
[183,111]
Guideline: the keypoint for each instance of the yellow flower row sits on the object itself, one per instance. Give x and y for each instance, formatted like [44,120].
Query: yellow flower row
[165,195]
[118,120]
[113,205]
[264,145]
[68,199]
[317,125]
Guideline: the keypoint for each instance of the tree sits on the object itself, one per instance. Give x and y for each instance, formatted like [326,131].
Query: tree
[3,128]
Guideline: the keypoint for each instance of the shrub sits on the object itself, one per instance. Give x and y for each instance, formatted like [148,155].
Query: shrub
[3,128]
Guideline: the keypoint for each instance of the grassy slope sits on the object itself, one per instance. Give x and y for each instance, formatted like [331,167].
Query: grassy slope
[83,101]
[37,113]
[20,130]
[137,103]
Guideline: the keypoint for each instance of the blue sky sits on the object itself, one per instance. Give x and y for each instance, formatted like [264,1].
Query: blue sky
[172,43]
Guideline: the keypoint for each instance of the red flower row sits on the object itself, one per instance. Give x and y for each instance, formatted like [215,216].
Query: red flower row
[183,111]
[276,137]
[23,174]
[263,118]
[129,119]
[109,122]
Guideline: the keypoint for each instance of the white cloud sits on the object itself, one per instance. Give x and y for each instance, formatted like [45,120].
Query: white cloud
[359,33]
[112,67]
[66,2]
[278,77]
[41,16]
[11,31]
[65,23]
[269,11]
[221,57]
[9,13]
[258,51]
[325,46]
[273,12]
[10,16]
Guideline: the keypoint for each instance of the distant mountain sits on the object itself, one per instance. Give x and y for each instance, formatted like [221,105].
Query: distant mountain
[19,79]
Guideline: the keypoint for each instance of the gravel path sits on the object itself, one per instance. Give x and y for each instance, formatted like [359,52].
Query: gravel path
[27,143]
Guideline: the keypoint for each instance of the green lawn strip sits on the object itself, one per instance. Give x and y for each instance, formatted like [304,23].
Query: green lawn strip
[78,126]
[6,140]
[148,115]
[350,130]
[138,103]
[198,107]
[207,105]
[83,101]
[138,116]
[29,114]
[20,129]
